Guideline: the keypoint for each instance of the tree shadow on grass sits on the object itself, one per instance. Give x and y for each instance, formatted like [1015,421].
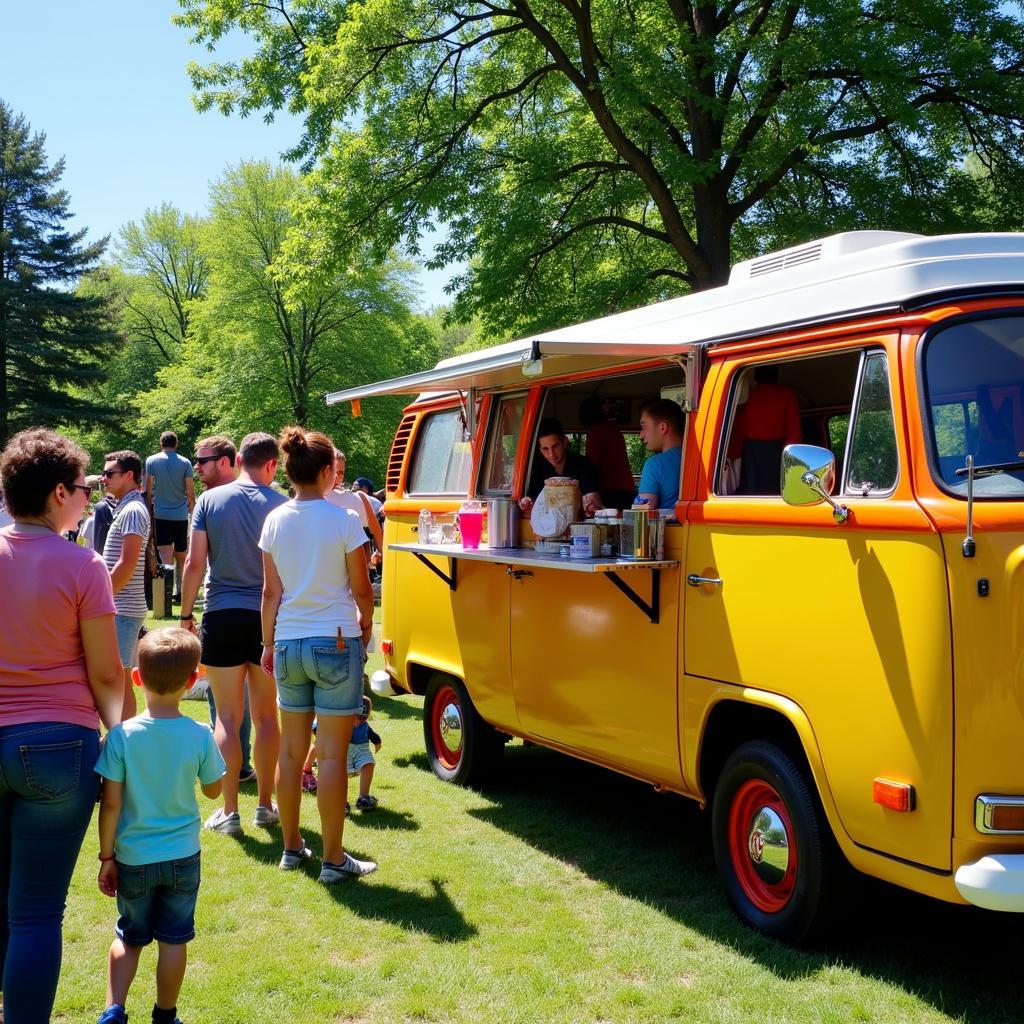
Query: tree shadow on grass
[657,849]
[435,915]
[396,707]
[383,818]
[413,761]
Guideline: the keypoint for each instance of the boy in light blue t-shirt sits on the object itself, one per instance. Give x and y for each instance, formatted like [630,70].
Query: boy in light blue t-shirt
[149,823]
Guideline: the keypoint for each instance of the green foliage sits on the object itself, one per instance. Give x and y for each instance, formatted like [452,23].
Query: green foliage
[262,350]
[587,157]
[52,339]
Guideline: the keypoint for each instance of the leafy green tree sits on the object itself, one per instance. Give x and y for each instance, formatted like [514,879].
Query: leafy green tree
[589,154]
[166,274]
[52,339]
[263,351]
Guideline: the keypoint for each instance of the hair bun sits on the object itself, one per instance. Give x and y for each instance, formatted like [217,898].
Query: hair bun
[293,439]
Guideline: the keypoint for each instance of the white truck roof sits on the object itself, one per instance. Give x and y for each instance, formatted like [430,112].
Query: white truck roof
[856,273]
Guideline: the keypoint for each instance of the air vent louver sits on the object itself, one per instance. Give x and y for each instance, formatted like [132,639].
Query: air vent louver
[398,449]
[783,261]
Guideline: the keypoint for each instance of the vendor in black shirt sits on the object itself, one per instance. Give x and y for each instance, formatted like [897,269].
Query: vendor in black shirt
[555,459]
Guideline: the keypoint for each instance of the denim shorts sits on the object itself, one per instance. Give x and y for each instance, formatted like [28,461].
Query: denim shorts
[157,901]
[359,756]
[128,627]
[313,675]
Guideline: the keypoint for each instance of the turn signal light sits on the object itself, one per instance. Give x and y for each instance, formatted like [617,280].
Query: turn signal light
[1007,818]
[387,646]
[897,796]
[999,814]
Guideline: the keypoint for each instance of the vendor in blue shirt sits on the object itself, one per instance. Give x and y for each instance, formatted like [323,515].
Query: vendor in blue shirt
[661,429]
[556,460]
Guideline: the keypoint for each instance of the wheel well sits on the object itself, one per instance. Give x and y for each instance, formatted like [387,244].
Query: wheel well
[419,677]
[732,723]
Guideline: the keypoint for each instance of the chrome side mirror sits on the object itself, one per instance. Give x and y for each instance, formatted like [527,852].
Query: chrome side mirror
[807,476]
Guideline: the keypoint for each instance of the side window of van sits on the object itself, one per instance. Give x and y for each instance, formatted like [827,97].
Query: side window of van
[873,463]
[840,401]
[502,440]
[443,459]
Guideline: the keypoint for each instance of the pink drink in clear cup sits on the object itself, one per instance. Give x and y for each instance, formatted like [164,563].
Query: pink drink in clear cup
[471,523]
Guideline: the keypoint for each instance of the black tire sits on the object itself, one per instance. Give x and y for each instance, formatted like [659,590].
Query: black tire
[461,747]
[784,891]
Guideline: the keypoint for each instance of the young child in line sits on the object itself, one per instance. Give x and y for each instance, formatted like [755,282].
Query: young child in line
[149,823]
[360,761]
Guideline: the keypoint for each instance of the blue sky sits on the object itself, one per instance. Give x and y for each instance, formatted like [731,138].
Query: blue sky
[106,83]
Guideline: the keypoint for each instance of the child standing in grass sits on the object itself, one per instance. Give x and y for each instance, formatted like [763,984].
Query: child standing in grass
[149,823]
[360,761]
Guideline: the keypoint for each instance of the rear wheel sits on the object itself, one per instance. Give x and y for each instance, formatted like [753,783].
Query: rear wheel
[461,747]
[773,847]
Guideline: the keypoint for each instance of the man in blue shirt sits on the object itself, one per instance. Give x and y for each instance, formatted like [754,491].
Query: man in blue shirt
[661,429]
[171,496]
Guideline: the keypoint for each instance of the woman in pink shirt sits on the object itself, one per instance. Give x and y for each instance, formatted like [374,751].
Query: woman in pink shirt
[59,677]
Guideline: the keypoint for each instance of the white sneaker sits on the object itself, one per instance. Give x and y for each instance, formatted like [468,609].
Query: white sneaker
[226,824]
[348,868]
[291,859]
[266,816]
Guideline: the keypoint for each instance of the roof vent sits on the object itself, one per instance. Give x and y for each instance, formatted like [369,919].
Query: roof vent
[829,248]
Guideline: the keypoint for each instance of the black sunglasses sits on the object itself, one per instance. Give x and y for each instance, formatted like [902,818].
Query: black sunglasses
[200,459]
[82,487]
[108,473]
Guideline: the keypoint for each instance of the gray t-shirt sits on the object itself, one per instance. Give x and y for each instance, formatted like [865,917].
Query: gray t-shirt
[232,518]
[169,471]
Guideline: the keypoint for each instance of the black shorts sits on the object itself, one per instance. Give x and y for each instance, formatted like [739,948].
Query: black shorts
[231,637]
[172,531]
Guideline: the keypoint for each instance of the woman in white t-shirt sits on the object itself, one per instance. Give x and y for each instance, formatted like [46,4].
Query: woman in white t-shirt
[317,620]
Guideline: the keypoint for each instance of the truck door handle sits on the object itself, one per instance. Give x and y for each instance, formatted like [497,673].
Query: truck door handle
[698,581]
[518,574]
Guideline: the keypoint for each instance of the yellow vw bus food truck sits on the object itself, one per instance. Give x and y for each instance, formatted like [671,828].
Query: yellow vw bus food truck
[831,660]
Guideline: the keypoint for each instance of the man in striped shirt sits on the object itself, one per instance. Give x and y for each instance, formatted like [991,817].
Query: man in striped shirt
[124,552]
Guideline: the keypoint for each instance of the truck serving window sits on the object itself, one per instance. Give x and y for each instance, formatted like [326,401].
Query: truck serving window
[443,459]
[974,398]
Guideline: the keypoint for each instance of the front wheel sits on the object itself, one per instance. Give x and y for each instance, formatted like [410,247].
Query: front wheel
[773,847]
[461,747]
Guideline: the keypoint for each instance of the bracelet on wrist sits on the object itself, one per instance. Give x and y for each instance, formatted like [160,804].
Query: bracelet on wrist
[102,858]
[186,617]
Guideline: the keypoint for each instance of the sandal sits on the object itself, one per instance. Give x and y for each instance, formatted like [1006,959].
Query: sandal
[366,803]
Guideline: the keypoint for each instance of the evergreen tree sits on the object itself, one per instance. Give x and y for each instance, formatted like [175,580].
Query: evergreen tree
[51,338]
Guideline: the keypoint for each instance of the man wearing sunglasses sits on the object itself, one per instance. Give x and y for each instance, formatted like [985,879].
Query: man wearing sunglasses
[124,552]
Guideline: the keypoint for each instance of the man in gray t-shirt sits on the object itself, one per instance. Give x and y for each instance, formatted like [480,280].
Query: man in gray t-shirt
[171,496]
[226,527]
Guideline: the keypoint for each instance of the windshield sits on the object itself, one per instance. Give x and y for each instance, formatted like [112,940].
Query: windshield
[974,377]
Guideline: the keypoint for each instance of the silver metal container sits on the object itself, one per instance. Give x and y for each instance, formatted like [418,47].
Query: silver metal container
[502,523]
[636,533]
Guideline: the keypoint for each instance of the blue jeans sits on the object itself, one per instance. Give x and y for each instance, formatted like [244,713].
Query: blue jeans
[314,675]
[48,792]
[244,730]
[158,901]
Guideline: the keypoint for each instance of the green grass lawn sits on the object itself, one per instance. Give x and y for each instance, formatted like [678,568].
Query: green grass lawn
[563,894]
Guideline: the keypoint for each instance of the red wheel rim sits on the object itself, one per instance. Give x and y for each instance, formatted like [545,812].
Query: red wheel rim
[446,698]
[747,846]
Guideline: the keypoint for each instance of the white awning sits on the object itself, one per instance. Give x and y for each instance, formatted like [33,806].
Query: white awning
[515,364]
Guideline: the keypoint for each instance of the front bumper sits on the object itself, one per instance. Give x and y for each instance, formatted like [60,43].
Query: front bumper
[996,882]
